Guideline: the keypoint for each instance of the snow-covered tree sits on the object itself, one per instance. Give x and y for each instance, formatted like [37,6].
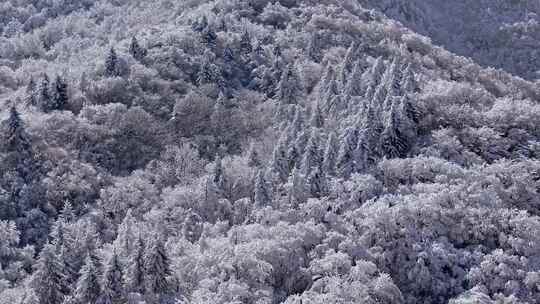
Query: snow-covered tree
[87,290]
[134,272]
[261,189]
[156,268]
[111,63]
[48,278]
[136,50]
[112,290]
[330,155]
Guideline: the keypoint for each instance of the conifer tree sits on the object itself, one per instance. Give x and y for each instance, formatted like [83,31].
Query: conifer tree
[192,227]
[330,155]
[317,120]
[317,183]
[45,99]
[345,162]
[312,154]
[111,64]
[125,238]
[112,291]
[279,165]
[136,50]
[48,277]
[254,160]
[60,94]
[31,98]
[87,290]
[245,44]
[297,188]
[18,147]
[156,268]
[409,83]
[348,62]
[262,196]
[393,143]
[134,275]
[298,122]
[353,86]
[289,89]
[374,77]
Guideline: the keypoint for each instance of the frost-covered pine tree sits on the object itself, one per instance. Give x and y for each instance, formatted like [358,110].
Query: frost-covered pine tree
[393,143]
[45,99]
[279,166]
[353,85]
[47,279]
[136,50]
[289,89]
[126,235]
[317,119]
[374,77]
[87,290]
[245,46]
[347,64]
[111,63]
[253,157]
[134,273]
[112,290]
[31,98]
[317,183]
[156,267]
[17,145]
[312,155]
[409,83]
[297,188]
[330,155]
[345,161]
[192,227]
[60,94]
[261,189]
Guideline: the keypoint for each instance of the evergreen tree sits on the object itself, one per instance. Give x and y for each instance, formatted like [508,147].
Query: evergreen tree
[125,238]
[134,275]
[157,268]
[393,143]
[254,160]
[87,290]
[312,154]
[192,227]
[297,123]
[353,86]
[48,277]
[317,120]
[317,183]
[374,77]
[245,44]
[136,50]
[112,291]
[17,145]
[409,83]
[262,196]
[348,62]
[111,64]
[329,96]
[31,98]
[345,162]
[362,153]
[60,94]
[297,188]
[279,165]
[330,155]
[289,89]
[45,99]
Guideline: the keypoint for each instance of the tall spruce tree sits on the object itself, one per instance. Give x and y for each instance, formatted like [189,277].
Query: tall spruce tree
[156,268]
[112,291]
[87,289]
[134,274]
[31,96]
[393,143]
[136,50]
[111,63]
[60,94]
[330,155]
[45,98]
[312,155]
[262,194]
[47,279]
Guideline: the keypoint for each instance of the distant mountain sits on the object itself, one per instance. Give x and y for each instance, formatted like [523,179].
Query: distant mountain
[499,33]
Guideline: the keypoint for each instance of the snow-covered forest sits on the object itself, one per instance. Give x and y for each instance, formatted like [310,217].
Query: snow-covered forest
[265,152]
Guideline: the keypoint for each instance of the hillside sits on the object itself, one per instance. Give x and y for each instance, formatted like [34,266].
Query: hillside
[262,152]
[501,34]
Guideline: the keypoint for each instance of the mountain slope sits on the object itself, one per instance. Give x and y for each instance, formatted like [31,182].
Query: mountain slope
[501,34]
[258,152]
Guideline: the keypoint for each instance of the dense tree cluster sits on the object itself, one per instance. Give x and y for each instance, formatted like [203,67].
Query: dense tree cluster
[258,152]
